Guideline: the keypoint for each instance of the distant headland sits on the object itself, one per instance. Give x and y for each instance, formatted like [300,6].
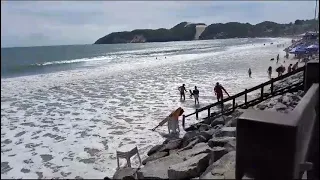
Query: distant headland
[186,31]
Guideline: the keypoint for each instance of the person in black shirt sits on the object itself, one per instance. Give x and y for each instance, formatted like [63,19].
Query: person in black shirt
[182,89]
[196,95]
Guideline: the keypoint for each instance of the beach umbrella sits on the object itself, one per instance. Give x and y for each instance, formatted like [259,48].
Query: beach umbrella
[313,47]
[298,50]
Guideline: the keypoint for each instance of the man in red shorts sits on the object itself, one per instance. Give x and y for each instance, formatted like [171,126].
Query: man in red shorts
[218,91]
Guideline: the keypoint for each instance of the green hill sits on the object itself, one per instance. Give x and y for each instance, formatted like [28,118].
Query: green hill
[264,29]
[186,32]
[180,32]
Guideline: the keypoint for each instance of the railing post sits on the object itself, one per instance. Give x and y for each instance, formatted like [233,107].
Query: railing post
[311,71]
[209,115]
[197,116]
[261,97]
[245,97]
[234,104]
[271,86]
[183,121]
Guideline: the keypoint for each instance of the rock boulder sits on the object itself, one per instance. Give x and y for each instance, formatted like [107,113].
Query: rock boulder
[124,172]
[155,149]
[216,153]
[220,141]
[155,156]
[190,168]
[188,137]
[158,169]
[197,149]
[227,132]
[190,145]
[172,144]
[224,168]
[206,135]
[204,127]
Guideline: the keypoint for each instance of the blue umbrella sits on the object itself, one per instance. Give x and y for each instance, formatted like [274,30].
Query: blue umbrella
[313,47]
[298,50]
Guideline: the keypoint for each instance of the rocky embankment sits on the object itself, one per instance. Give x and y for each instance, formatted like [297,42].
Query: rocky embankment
[285,102]
[208,151]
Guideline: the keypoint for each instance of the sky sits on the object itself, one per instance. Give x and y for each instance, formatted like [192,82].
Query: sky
[43,23]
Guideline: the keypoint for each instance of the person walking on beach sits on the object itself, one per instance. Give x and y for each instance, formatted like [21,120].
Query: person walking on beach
[269,72]
[281,69]
[218,92]
[287,55]
[295,66]
[278,58]
[196,95]
[182,89]
[249,72]
[289,68]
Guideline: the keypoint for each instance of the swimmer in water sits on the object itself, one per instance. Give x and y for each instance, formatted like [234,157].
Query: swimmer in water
[182,89]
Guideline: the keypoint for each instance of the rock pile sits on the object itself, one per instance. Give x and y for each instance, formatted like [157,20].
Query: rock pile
[296,78]
[281,103]
[190,156]
[286,102]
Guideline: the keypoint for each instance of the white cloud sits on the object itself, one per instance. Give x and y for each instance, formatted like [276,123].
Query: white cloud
[31,23]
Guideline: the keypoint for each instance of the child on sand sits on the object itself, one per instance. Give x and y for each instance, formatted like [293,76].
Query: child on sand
[249,72]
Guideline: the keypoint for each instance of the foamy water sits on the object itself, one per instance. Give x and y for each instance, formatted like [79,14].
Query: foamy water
[69,124]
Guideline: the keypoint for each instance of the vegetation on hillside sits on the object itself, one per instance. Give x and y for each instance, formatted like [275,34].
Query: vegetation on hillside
[180,32]
[264,29]
[186,32]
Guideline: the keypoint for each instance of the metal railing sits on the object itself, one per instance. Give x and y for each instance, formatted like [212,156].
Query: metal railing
[263,96]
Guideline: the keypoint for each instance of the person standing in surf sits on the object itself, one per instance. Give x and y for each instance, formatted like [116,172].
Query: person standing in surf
[269,72]
[218,92]
[278,58]
[182,89]
[196,95]
[249,72]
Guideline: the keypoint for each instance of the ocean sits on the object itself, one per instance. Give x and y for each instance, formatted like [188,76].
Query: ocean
[65,110]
